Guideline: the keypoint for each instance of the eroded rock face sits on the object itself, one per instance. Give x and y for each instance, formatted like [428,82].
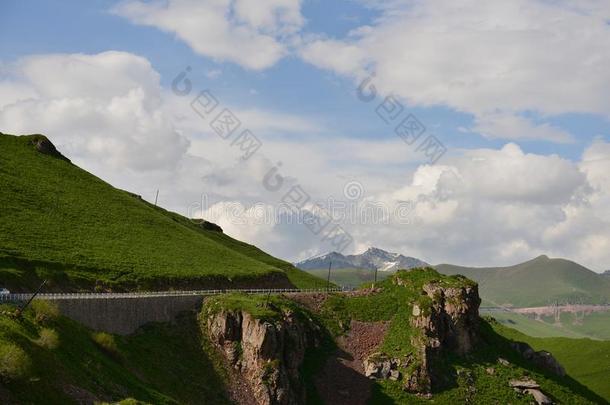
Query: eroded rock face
[267,354]
[453,318]
[449,321]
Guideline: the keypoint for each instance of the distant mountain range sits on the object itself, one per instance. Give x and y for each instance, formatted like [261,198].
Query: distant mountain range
[372,259]
[538,282]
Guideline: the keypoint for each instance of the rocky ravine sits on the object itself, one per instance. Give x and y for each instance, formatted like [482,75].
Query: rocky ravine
[265,342]
[266,353]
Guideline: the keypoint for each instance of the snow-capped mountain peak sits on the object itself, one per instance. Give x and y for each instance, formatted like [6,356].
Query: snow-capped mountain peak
[373,258]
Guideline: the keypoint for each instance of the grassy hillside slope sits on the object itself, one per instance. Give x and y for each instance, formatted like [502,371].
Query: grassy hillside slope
[161,364]
[61,223]
[586,360]
[533,327]
[593,326]
[538,282]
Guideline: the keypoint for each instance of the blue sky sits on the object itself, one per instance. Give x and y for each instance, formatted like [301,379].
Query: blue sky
[481,79]
[39,27]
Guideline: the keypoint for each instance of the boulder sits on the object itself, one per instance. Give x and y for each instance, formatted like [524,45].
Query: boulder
[380,366]
[504,362]
[530,387]
[522,384]
[42,144]
[539,397]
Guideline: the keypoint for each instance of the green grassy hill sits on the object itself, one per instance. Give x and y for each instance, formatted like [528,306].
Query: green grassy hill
[538,282]
[585,360]
[593,326]
[533,327]
[59,222]
[161,364]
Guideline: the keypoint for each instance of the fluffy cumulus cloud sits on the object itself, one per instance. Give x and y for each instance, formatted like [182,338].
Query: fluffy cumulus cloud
[496,60]
[108,113]
[253,34]
[99,108]
[482,206]
[502,206]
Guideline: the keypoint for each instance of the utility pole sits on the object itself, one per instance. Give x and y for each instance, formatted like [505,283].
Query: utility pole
[267,300]
[24,306]
[156,197]
[328,279]
[375,282]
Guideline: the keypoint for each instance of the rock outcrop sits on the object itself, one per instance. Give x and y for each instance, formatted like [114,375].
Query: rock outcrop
[266,353]
[542,358]
[446,318]
[210,226]
[532,388]
[43,145]
[451,319]
[381,366]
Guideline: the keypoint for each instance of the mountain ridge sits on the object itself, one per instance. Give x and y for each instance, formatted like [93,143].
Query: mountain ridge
[371,259]
[537,282]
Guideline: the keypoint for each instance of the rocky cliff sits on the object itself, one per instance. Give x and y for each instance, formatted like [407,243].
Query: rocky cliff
[265,349]
[429,339]
[444,318]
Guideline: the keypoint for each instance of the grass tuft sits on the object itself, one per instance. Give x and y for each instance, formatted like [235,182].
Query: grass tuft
[49,339]
[14,362]
[45,311]
[106,342]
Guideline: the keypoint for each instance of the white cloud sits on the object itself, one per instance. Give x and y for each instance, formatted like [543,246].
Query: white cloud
[483,207]
[494,207]
[495,60]
[486,206]
[251,34]
[105,107]
[509,174]
[512,126]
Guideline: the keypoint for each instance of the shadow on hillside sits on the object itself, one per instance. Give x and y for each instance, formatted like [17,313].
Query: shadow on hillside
[339,383]
[178,361]
[490,349]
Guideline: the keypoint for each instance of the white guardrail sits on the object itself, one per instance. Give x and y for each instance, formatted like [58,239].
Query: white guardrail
[151,294]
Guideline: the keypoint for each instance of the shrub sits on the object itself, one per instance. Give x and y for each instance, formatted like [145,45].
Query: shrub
[106,342]
[49,339]
[45,311]
[14,362]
